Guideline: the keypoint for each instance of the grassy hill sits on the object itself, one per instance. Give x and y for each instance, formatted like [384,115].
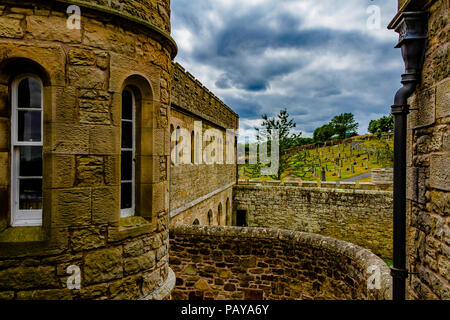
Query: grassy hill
[353,157]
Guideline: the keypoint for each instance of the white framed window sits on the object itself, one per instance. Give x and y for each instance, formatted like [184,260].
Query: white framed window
[128,154]
[26,150]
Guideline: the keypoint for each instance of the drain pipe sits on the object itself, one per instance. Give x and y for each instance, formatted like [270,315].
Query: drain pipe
[412,28]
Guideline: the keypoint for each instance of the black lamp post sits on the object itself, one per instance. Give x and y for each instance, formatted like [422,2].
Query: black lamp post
[412,28]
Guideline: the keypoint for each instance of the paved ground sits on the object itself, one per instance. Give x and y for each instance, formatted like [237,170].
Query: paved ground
[359,177]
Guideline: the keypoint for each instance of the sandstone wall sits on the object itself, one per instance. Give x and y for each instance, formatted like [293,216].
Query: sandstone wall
[382,176]
[83,73]
[255,263]
[218,204]
[196,187]
[363,217]
[428,161]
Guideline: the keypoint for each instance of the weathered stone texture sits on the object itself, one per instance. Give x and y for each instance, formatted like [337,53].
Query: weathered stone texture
[81,149]
[356,216]
[429,165]
[268,264]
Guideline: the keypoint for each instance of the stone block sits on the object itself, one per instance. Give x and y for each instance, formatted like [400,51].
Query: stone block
[126,289]
[90,171]
[80,57]
[52,29]
[310,184]
[425,115]
[11,28]
[66,139]
[443,99]
[328,184]
[105,205]
[51,294]
[23,278]
[112,170]
[4,134]
[291,183]
[87,239]
[70,207]
[144,262]
[59,171]
[4,169]
[104,140]
[87,77]
[103,265]
[440,171]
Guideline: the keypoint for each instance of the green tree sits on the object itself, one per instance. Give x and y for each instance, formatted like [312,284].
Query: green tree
[324,133]
[344,124]
[283,124]
[384,124]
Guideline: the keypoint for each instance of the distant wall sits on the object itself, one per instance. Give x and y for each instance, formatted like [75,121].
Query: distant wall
[255,264]
[383,176]
[363,217]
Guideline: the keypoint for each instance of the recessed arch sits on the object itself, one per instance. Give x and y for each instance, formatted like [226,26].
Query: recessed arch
[11,68]
[145,140]
[227,212]
[219,213]
[196,222]
[210,217]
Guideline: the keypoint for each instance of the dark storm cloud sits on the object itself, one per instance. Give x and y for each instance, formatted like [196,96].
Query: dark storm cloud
[266,59]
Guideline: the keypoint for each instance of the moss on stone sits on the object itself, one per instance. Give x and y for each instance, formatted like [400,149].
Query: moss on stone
[23,234]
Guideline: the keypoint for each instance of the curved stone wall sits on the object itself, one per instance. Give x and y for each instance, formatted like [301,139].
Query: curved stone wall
[156,12]
[258,263]
[84,73]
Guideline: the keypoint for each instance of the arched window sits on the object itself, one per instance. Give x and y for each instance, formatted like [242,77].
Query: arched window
[219,214]
[192,147]
[172,143]
[196,222]
[26,151]
[210,217]
[177,141]
[128,168]
[227,210]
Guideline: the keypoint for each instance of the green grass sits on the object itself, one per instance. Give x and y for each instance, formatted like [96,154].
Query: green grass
[302,163]
[390,263]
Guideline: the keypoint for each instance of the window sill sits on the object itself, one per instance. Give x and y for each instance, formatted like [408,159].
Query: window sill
[131,227]
[22,235]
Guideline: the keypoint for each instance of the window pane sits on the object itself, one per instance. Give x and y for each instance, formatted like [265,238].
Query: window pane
[29,126]
[127,135]
[30,162]
[126,196]
[29,93]
[127,165]
[127,105]
[30,196]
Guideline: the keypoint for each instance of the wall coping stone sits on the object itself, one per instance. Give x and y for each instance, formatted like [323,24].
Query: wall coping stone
[363,257]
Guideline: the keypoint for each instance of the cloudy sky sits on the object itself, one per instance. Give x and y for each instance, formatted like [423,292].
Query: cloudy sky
[317,58]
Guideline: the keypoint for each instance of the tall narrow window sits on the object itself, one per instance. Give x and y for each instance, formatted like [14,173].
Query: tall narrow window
[192,148]
[127,191]
[26,151]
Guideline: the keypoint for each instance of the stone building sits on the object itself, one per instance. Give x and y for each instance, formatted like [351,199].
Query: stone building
[104,142]
[84,148]
[428,161]
[201,186]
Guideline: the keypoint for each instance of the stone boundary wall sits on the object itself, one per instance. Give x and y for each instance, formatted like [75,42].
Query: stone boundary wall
[270,264]
[189,94]
[383,176]
[324,184]
[363,217]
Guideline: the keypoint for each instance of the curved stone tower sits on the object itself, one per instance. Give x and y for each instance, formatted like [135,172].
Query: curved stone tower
[84,149]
